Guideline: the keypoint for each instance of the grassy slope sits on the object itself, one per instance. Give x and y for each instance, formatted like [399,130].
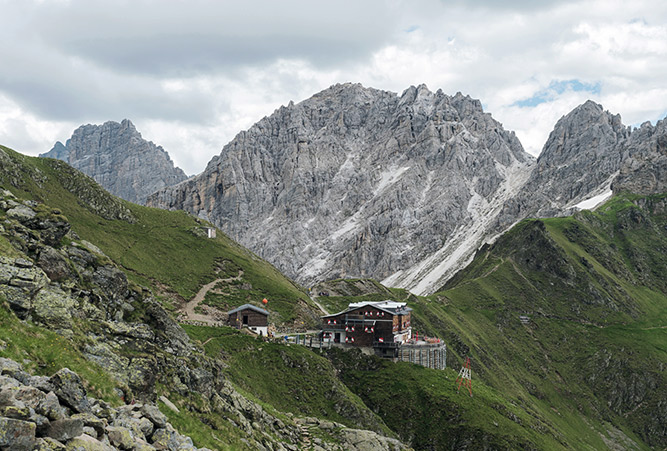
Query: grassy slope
[287,378]
[586,364]
[161,248]
[43,352]
[426,409]
[593,286]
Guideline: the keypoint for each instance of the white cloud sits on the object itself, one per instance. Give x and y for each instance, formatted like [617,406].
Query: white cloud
[191,76]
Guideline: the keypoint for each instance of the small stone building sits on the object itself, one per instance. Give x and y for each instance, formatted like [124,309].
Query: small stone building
[250,316]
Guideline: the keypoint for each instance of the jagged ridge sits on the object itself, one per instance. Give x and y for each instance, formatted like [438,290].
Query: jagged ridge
[356,181]
[119,159]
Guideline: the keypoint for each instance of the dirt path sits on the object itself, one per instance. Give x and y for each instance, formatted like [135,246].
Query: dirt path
[188,312]
[314,299]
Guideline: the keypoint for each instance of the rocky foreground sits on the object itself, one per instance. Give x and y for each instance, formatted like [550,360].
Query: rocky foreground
[54,413]
[51,278]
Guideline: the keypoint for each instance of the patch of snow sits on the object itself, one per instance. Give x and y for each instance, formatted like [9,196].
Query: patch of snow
[591,203]
[597,196]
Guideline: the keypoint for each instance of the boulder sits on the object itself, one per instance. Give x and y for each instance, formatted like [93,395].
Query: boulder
[40,382]
[168,439]
[40,421]
[357,439]
[160,320]
[141,445]
[49,444]
[87,443]
[21,213]
[131,423]
[103,354]
[7,381]
[50,407]
[65,429]
[53,231]
[70,390]
[53,307]
[13,370]
[16,412]
[17,435]
[154,415]
[89,420]
[112,281]
[142,375]
[120,437]
[53,264]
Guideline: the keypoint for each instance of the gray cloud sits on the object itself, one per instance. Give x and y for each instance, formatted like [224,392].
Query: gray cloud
[170,39]
[192,75]
[508,5]
[83,59]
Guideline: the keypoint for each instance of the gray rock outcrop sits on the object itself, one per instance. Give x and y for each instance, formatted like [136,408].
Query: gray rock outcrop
[357,182]
[645,172]
[580,159]
[119,159]
[48,417]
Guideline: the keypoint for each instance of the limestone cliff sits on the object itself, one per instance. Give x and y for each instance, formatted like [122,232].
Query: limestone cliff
[119,159]
[645,172]
[357,181]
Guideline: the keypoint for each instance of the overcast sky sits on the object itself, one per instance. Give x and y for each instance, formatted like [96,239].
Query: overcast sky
[192,74]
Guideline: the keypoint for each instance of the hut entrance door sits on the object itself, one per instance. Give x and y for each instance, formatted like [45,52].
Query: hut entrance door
[337,337]
[245,320]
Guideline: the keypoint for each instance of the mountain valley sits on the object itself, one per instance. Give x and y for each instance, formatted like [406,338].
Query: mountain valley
[548,273]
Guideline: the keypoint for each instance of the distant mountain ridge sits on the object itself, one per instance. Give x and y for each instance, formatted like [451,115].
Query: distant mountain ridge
[359,182]
[356,181]
[119,159]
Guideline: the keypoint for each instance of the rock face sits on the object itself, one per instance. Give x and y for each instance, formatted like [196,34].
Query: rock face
[580,159]
[119,159]
[645,172]
[49,421]
[357,182]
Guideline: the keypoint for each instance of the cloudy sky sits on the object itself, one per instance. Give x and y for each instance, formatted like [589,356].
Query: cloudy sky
[192,74]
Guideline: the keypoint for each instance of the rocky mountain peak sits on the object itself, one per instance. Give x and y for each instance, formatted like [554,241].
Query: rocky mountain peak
[645,170]
[586,129]
[118,158]
[356,181]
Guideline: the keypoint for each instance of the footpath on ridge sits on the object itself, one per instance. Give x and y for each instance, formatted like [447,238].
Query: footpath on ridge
[187,313]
